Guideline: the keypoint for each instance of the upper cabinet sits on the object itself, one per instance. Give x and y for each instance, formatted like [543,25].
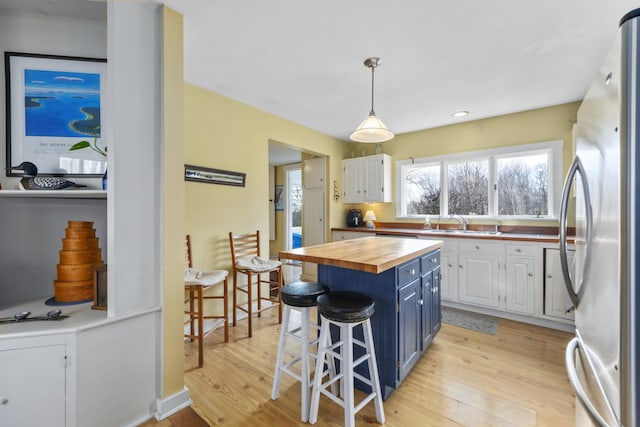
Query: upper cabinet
[367,179]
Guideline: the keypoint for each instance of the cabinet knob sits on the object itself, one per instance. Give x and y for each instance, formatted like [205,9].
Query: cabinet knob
[477,246]
[434,260]
[518,250]
[450,265]
[421,302]
[549,276]
[412,271]
[4,401]
[530,274]
[460,266]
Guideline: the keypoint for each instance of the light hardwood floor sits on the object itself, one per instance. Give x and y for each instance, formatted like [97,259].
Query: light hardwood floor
[515,378]
[466,378]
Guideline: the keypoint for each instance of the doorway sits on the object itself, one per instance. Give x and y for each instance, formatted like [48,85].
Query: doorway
[293,206]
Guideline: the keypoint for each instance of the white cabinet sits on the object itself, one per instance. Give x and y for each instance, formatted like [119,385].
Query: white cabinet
[520,278]
[556,298]
[348,235]
[479,273]
[367,179]
[314,172]
[33,386]
[449,270]
[352,177]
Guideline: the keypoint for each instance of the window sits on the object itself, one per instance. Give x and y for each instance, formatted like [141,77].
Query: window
[468,190]
[521,181]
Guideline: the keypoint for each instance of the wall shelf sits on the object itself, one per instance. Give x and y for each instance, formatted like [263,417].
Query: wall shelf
[58,194]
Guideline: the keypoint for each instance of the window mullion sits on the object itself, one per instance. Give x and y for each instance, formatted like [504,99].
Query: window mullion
[493,185]
[444,189]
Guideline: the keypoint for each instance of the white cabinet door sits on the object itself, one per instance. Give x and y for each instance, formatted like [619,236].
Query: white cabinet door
[479,273]
[348,235]
[449,269]
[377,178]
[556,298]
[313,172]
[520,285]
[352,173]
[32,386]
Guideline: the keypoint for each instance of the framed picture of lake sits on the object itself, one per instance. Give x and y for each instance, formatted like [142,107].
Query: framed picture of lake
[53,103]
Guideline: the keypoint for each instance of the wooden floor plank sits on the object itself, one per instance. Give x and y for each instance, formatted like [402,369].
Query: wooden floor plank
[466,378]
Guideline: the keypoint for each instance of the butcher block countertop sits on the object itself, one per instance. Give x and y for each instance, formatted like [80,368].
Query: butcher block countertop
[369,254]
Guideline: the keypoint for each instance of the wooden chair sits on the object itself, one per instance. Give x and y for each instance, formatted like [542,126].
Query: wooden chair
[245,257]
[196,282]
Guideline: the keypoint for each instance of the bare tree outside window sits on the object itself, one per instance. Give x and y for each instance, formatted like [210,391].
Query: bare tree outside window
[468,188]
[296,206]
[423,188]
[523,185]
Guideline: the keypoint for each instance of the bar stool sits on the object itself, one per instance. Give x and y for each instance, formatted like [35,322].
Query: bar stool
[299,296]
[346,310]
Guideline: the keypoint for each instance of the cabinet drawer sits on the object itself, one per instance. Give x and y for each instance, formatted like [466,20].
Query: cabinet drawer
[515,249]
[430,261]
[481,246]
[408,272]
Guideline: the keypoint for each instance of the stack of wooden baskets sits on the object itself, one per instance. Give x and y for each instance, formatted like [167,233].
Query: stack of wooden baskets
[79,256]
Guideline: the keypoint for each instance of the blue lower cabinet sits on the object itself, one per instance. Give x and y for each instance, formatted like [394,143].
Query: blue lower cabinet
[398,323]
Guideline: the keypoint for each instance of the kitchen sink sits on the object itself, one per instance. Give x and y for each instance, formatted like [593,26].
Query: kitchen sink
[466,232]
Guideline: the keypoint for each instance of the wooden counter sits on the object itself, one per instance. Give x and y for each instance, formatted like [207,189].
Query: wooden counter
[369,254]
[403,278]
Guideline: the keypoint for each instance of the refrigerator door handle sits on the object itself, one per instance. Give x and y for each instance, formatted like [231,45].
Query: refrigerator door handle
[570,363]
[576,167]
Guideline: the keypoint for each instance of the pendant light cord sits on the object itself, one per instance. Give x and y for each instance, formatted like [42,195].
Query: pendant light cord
[372,113]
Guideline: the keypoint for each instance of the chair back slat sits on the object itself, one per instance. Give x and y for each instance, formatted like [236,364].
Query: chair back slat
[188,263]
[243,245]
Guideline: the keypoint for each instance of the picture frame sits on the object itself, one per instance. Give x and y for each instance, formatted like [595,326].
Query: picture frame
[52,103]
[278,197]
[214,176]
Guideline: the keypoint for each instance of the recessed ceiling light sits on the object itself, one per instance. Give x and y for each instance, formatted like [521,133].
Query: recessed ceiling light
[460,113]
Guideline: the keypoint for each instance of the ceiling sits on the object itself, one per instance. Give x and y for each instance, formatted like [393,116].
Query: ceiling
[303,59]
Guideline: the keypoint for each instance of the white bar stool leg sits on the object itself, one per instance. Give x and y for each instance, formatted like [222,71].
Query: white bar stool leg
[373,371]
[346,335]
[281,350]
[304,361]
[323,343]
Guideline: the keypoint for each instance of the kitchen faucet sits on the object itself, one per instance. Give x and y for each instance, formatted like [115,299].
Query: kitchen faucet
[461,220]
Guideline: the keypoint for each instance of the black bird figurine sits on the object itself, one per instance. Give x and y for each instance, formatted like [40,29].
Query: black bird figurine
[30,180]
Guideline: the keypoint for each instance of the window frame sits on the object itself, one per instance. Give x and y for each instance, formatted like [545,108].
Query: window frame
[553,148]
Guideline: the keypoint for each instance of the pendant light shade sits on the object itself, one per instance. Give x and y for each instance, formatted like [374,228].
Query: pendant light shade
[371,130]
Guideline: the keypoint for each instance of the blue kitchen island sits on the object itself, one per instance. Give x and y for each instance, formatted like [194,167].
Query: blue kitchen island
[403,278]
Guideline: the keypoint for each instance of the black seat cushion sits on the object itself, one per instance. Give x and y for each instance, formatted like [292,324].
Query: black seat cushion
[302,294]
[346,306]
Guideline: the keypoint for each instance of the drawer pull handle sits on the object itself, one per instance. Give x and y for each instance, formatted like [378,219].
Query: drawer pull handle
[421,302]
[434,260]
[411,271]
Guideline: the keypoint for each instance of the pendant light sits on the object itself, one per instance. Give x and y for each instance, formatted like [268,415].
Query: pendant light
[371,130]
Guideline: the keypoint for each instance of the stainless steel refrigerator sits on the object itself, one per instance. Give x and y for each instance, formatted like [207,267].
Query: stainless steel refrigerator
[603,281]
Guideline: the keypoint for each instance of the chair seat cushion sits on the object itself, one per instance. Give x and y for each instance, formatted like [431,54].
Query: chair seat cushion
[203,277]
[256,263]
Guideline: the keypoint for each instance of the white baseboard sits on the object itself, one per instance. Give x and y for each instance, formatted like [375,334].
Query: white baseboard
[172,404]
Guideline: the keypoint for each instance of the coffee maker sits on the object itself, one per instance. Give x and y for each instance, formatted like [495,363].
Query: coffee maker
[354,218]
